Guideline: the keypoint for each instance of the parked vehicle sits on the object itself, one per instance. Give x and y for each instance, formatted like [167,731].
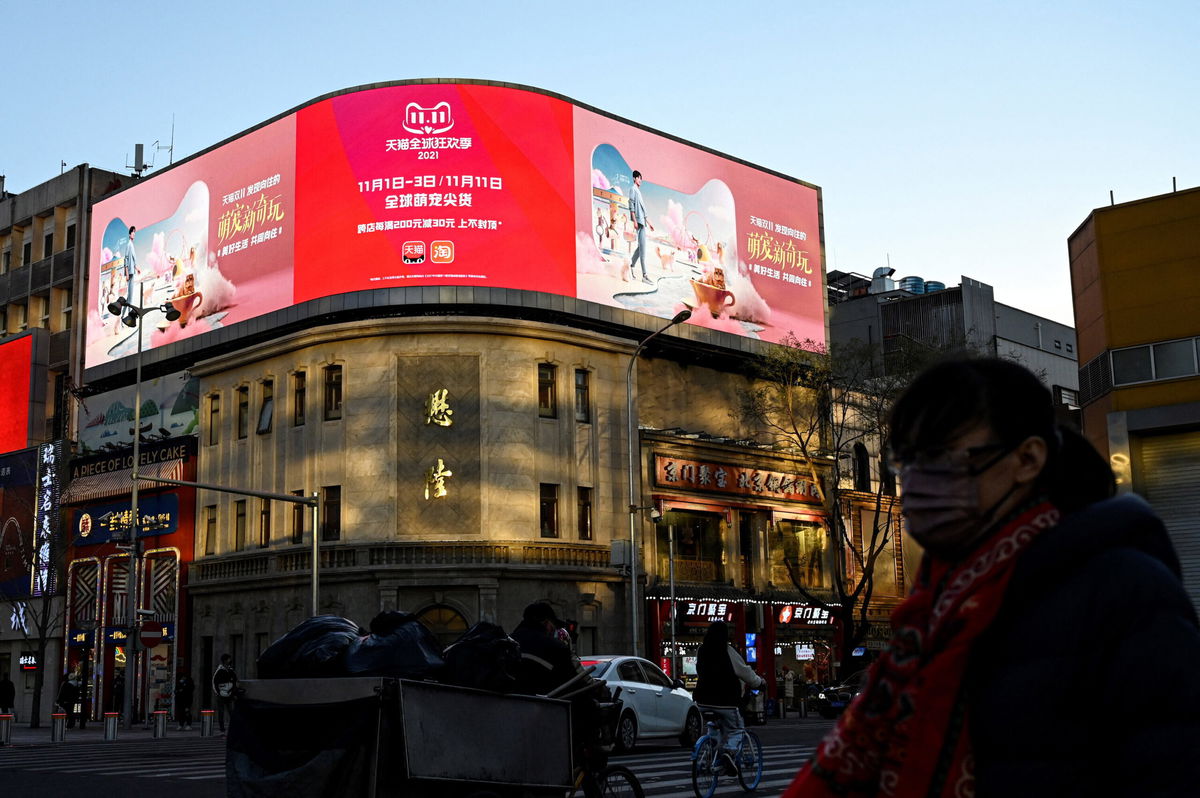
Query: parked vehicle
[830,701]
[655,706]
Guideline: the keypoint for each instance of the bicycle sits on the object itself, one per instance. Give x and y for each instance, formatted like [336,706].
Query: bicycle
[707,765]
[594,777]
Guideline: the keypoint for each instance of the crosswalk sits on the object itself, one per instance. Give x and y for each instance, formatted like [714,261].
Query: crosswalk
[669,774]
[663,774]
[190,759]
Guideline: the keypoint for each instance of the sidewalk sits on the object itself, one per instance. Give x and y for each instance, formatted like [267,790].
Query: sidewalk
[94,733]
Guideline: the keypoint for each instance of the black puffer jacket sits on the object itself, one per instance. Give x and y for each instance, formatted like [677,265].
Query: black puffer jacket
[1088,682]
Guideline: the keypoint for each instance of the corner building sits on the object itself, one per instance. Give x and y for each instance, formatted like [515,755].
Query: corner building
[433,313]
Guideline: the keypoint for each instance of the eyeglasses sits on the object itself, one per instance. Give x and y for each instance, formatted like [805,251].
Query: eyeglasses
[948,461]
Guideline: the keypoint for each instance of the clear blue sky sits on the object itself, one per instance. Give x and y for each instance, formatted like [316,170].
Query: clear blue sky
[953,137]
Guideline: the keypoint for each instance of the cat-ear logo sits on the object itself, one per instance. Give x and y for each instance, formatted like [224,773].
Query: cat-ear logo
[427,121]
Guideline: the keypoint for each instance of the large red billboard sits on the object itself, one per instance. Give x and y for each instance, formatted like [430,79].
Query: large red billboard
[455,184]
[16,373]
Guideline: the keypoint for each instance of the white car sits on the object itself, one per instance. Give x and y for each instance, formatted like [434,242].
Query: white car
[655,706]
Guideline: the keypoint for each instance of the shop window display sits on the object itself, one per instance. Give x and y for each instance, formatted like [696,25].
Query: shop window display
[805,545]
[699,548]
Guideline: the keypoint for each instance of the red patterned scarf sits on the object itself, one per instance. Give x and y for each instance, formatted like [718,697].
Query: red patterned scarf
[907,733]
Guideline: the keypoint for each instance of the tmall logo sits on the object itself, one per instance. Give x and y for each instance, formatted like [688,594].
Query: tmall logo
[414,252]
[427,121]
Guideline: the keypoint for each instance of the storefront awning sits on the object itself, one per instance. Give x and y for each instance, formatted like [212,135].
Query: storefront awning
[119,483]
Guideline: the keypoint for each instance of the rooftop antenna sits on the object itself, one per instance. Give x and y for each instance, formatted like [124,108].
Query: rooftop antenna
[62,166]
[170,148]
[1174,187]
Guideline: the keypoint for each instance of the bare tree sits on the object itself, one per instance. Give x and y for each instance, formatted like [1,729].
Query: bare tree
[830,406]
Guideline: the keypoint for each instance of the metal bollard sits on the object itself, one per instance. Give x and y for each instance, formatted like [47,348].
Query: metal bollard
[6,729]
[206,722]
[58,727]
[110,725]
[160,723]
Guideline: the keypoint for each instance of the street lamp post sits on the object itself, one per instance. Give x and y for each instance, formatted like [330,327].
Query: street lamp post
[131,316]
[635,473]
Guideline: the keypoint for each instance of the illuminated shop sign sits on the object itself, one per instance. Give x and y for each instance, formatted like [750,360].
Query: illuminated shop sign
[714,477]
[46,523]
[29,661]
[698,613]
[803,614]
[78,638]
[101,523]
[456,184]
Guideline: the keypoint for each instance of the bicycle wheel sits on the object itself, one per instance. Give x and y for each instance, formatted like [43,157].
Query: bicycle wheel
[749,762]
[704,767]
[619,782]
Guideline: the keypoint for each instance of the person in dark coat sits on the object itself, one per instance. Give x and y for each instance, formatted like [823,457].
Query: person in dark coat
[546,662]
[224,685]
[720,675]
[68,694]
[185,693]
[8,694]
[1048,647]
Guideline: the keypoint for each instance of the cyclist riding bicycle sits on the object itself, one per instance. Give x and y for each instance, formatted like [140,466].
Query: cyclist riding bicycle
[722,672]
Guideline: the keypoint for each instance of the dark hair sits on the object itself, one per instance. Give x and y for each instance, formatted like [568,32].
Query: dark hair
[636,173]
[949,398]
[717,635]
[132,229]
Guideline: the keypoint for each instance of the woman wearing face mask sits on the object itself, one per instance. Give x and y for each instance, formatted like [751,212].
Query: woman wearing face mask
[1048,647]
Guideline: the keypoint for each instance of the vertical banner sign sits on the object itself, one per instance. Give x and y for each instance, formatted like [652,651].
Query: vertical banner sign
[46,522]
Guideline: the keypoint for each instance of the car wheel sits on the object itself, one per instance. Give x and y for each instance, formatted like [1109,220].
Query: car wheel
[626,733]
[693,727]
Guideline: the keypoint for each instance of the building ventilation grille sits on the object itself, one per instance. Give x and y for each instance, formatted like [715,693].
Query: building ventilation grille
[1095,379]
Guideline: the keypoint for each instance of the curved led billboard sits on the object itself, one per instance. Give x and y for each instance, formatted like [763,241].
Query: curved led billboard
[455,184]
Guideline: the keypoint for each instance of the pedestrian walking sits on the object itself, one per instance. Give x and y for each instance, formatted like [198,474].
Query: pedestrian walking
[8,695]
[224,685]
[1039,600]
[118,692]
[68,694]
[789,689]
[185,692]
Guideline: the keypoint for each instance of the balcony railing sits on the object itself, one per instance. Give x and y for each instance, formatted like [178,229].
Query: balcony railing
[342,558]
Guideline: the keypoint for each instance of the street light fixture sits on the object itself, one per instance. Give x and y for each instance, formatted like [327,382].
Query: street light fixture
[131,316]
[635,473]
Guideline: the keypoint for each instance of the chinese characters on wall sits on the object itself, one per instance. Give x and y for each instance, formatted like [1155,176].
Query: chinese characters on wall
[438,412]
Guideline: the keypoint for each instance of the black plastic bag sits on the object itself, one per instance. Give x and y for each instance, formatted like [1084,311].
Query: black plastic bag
[485,658]
[315,647]
[399,646]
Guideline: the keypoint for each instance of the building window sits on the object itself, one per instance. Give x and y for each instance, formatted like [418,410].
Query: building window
[299,385]
[64,305]
[264,523]
[243,411]
[547,402]
[333,393]
[27,253]
[549,510]
[210,529]
[331,512]
[70,243]
[583,396]
[267,412]
[214,419]
[1174,359]
[862,468]
[1070,347]
[1132,365]
[19,317]
[298,512]
[5,261]
[48,245]
[585,514]
[239,525]
[39,307]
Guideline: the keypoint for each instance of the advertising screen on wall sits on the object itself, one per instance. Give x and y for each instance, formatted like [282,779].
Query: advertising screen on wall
[16,363]
[456,184]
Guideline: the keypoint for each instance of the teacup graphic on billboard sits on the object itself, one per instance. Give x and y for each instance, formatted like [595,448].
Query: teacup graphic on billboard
[691,257]
[161,262]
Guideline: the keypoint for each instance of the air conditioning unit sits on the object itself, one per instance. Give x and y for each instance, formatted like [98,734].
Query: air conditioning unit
[620,554]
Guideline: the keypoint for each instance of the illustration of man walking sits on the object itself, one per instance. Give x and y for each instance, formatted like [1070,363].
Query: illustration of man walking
[637,209]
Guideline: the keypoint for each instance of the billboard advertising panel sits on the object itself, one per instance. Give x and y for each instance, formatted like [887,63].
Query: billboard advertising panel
[16,364]
[456,184]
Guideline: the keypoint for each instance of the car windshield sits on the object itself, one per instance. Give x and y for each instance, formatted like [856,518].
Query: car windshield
[601,666]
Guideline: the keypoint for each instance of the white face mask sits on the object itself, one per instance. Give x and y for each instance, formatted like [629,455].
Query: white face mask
[942,504]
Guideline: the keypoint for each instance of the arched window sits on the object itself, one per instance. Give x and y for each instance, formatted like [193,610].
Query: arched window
[862,468]
[446,623]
